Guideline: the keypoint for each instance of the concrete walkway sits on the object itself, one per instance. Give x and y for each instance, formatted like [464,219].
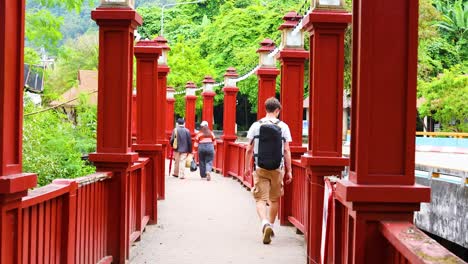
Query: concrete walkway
[213,223]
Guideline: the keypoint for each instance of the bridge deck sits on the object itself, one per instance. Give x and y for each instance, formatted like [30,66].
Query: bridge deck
[213,222]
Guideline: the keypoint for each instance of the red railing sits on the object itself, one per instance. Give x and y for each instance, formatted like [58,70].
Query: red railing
[399,242]
[236,166]
[408,244]
[218,160]
[65,222]
[68,221]
[139,215]
[297,194]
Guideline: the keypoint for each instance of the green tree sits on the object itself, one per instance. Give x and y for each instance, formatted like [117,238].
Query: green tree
[186,65]
[445,99]
[42,29]
[78,54]
[50,146]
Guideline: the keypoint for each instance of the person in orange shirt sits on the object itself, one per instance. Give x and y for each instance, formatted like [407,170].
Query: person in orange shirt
[206,142]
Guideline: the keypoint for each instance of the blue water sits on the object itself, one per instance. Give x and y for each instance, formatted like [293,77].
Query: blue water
[438,142]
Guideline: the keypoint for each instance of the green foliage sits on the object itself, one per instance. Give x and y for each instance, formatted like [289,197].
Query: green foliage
[31,56]
[446,99]
[52,146]
[42,29]
[68,4]
[78,54]
[185,59]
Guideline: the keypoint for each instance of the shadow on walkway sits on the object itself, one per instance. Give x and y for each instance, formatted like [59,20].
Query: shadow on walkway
[213,223]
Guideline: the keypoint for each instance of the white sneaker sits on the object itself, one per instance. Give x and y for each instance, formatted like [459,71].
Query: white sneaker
[268,233]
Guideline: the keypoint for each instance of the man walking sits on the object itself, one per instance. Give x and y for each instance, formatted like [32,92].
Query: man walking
[182,147]
[269,144]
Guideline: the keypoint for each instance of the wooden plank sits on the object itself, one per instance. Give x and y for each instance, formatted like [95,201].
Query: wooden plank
[60,234]
[79,224]
[26,238]
[53,231]
[40,234]
[47,227]
[33,237]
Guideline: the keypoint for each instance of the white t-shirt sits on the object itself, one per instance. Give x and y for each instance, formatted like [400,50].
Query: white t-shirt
[254,130]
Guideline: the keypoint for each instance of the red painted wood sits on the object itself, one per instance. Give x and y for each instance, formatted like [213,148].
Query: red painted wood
[190,101]
[388,90]
[151,99]
[11,81]
[13,183]
[292,86]
[229,119]
[47,222]
[266,78]
[33,242]
[208,102]
[266,88]
[408,244]
[134,117]
[26,235]
[170,123]
[116,27]
[297,200]
[391,92]
[324,158]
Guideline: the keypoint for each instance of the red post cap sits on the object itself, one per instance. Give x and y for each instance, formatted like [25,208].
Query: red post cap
[291,19]
[267,46]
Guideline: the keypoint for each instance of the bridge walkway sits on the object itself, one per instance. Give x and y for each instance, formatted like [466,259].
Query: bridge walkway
[213,223]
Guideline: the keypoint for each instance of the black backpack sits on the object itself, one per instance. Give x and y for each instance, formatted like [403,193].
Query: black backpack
[270,145]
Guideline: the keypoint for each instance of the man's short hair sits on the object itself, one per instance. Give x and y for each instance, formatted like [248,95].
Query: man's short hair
[271,104]
[180,121]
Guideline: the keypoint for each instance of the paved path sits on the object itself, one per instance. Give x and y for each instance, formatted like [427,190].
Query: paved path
[213,223]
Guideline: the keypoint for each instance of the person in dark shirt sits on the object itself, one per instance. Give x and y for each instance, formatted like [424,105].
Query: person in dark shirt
[183,147]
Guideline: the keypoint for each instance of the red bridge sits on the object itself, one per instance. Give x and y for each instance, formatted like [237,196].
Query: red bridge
[96,218]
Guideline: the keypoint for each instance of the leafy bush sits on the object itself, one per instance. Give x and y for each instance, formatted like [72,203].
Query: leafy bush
[445,99]
[53,146]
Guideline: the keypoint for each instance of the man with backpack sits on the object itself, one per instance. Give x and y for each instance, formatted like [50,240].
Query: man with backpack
[181,142]
[269,140]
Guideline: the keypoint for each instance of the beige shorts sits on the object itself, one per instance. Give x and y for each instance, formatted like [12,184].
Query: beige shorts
[268,184]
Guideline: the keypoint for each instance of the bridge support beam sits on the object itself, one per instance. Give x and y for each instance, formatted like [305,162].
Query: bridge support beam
[170,123]
[267,74]
[208,100]
[163,71]
[190,107]
[229,115]
[381,183]
[14,184]
[324,158]
[116,27]
[149,123]
[292,58]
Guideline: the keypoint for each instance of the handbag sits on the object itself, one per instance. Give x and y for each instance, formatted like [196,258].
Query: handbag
[193,165]
[188,161]
[174,142]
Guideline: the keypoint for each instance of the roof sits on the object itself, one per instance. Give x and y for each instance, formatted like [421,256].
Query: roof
[87,84]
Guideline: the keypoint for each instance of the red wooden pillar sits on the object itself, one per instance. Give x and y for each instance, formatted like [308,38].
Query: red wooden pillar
[161,112]
[13,183]
[324,158]
[267,74]
[170,123]
[148,121]
[208,100]
[292,57]
[381,183]
[190,100]
[134,116]
[229,115]
[116,27]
